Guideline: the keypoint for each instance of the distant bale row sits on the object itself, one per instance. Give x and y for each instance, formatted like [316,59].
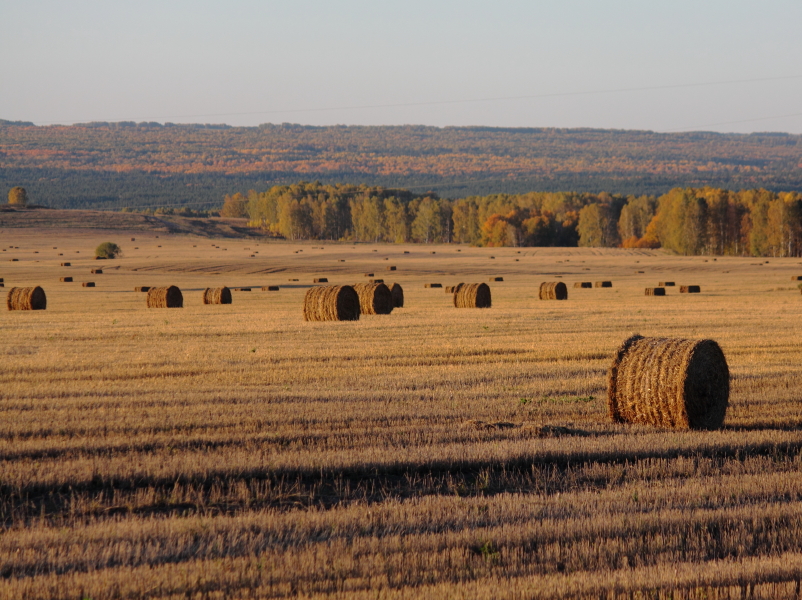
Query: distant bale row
[374,298]
[26,298]
[221,295]
[553,290]
[165,297]
[472,295]
[669,382]
[331,303]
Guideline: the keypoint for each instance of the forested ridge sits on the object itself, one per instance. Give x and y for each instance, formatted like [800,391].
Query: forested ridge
[688,221]
[112,165]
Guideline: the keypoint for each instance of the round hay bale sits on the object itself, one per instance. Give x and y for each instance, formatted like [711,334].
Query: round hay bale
[88,284]
[666,284]
[432,285]
[472,295]
[368,274]
[657,291]
[689,289]
[331,303]
[398,295]
[65,279]
[553,290]
[796,277]
[583,284]
[375,280]
[669,382]
[66,264]
[26,298]
[391,268]
[221,295]
[142,288]
[165,297]
[603,284]
[374,298]
[96,271]
[496,279]
[320,280]
[270,288]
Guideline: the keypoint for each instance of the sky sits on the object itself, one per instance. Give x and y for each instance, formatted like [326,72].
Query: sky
[660,65]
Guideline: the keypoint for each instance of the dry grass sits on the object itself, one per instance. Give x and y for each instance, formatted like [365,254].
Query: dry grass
[259,455]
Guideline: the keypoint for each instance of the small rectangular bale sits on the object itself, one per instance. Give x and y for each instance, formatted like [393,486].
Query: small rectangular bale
[65,279]
[603,284]
[496,279]
[96,271]
[657,291]
[689,289]
[432,285]
[391,268]
[319,280]
[583,284]
[88,284]
[666,284]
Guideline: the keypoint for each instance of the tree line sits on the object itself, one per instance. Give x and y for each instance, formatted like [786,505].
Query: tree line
[689,221]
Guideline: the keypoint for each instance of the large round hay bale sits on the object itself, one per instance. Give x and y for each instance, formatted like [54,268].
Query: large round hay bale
[165,297]
[398,295]
[472,295]
[669,382]
[553,290]
[657,291]
[331,303]
[221,295]
[374,298]
[26,298]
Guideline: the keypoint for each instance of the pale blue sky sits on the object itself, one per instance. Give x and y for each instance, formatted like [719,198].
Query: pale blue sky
[247,62]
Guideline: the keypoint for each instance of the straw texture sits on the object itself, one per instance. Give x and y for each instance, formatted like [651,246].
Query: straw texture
[472,295]
[221,295]
[553,290]
[26,298]
[374,298]
[331,303]
[165,297]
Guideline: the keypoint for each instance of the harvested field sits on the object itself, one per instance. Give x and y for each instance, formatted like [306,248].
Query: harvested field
[166,454]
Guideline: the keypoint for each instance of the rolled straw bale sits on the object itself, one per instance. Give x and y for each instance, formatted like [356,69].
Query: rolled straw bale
[689,289]
[666,284]
[375,280]
[1,280]
[2,284]
[472,295]
[270,288]
[368,274]
[453,289]
[391,268]
[331,303]
[496,279]
[603,284]
[553,290]
[242,289]
[669,382]
[796,277]
[88,284]
[65,279]
[221,295]
[66,264]
[27,298]
[142,288]
[583,284]
[13,260]
[320,280]
[165,297]
[407,251]
[374,298]
[656,291]
[398,295]
[96,271]
[432,285]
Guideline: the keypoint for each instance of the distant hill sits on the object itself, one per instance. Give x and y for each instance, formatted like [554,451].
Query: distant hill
[112,165]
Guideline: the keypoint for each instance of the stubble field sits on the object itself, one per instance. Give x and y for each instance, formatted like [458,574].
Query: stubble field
[238,451]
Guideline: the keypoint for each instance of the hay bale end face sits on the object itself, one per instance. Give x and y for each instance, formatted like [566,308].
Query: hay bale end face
[165,297]
[583,284]
[472,295]
[374,298]
[88,284]
[221,295]
[656,291]
[65,279]
[331,303]
[689,289]
[603,284]
[669,382]
[666,284]
[398,295]
[432,285]
[27,298]
[142,288]
[553,290]
[320,280]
